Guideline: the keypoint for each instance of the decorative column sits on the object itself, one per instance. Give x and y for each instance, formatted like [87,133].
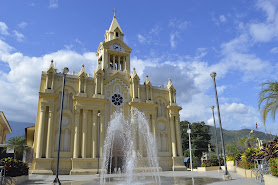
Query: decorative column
[178,133]
[173,139]
[114,67]
[84,133]
[40,133]
[94,134]
[128,64]
[50,131]
[154,127]
[76,134]
[119,63]
[101,133]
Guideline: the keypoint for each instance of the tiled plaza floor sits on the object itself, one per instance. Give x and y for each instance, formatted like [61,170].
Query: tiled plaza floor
[192,178]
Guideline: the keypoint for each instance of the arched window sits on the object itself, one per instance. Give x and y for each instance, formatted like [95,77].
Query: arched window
[65,130]
[66,135]
[162,137]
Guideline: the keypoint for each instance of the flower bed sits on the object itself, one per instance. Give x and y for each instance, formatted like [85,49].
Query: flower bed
[16,171]
[14,168]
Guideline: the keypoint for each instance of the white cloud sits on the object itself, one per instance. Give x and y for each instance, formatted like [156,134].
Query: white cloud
[22,81]
[151,37]
[274,50]
[22,25]
[222,18]
[53,4]
[172,40]
[3,28]
[141,38]
[236,108]
[176,26]
[267,30]
[19,36]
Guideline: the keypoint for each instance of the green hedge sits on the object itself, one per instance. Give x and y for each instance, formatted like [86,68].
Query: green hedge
[14,168]
[212,162]
[273,163]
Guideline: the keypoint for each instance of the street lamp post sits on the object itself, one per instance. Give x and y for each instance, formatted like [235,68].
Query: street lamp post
[189,132]
[65,71]
[98,144]
[217,152]
[213,75]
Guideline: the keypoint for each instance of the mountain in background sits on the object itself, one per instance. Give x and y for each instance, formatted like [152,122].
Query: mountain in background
[232,136]
[18,129]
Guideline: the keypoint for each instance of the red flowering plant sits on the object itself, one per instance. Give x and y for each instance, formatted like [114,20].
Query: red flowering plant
[14,167]
[273,163]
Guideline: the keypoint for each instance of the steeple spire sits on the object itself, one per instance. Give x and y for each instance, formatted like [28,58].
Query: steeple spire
[114,10]
[114,25]
[115,31]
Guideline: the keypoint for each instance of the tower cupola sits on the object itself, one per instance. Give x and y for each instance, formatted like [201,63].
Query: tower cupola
[114,31]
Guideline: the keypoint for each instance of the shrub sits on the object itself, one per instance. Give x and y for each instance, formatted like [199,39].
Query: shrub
[273,163]
[14,167]
[212,162]
[230,158]
[245,164]
[271,150]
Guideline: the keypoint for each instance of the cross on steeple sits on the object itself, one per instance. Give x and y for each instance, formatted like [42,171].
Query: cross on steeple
[114,10]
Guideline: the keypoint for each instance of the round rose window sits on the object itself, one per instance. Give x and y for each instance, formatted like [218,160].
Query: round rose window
[117,99]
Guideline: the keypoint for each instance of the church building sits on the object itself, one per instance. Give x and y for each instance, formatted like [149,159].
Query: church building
[113,87]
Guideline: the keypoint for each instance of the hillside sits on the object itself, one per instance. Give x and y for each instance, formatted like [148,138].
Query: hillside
[18,129]
[231,136]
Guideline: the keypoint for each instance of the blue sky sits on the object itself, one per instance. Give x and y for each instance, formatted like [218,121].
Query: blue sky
[183,40]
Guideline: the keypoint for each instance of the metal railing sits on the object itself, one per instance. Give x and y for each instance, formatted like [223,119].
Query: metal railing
[2,175]
[261,168]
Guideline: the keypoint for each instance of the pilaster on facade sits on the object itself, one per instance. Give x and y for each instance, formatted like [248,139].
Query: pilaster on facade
[76,133]
[84,133]
[40,132]
[173,138]
[50,132]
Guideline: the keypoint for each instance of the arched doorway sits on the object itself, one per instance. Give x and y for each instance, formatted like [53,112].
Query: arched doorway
[118,160]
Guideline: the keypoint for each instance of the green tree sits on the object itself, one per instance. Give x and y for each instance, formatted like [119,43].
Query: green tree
[268,99]
[232,150]
[247,142]
[200,138]
[18,144]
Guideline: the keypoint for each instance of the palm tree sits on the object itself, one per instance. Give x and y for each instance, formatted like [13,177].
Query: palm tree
[18,144]
[268,99]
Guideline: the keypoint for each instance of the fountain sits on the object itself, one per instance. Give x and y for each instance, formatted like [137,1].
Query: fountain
[120,147]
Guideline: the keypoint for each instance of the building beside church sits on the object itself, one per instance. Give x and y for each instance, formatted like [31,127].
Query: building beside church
[112,87]
[5,128]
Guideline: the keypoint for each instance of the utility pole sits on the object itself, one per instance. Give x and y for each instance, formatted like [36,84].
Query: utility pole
[189,131]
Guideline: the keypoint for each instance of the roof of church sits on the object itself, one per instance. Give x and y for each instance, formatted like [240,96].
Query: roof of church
[114,25]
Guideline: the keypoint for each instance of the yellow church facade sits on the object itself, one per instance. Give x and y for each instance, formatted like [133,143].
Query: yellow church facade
[113,87]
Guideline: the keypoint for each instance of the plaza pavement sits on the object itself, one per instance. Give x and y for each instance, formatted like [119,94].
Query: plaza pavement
[83,179]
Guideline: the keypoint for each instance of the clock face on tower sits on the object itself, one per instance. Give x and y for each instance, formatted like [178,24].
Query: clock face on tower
[117,47]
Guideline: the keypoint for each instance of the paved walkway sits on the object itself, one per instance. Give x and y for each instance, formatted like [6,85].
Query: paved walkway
[184,177]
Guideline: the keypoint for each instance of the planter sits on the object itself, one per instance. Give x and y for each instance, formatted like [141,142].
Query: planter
[210,168]
[270,180]
[241,171]
[16,180]
[244,172]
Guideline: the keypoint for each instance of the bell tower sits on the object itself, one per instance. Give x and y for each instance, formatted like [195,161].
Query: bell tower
[113,54]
